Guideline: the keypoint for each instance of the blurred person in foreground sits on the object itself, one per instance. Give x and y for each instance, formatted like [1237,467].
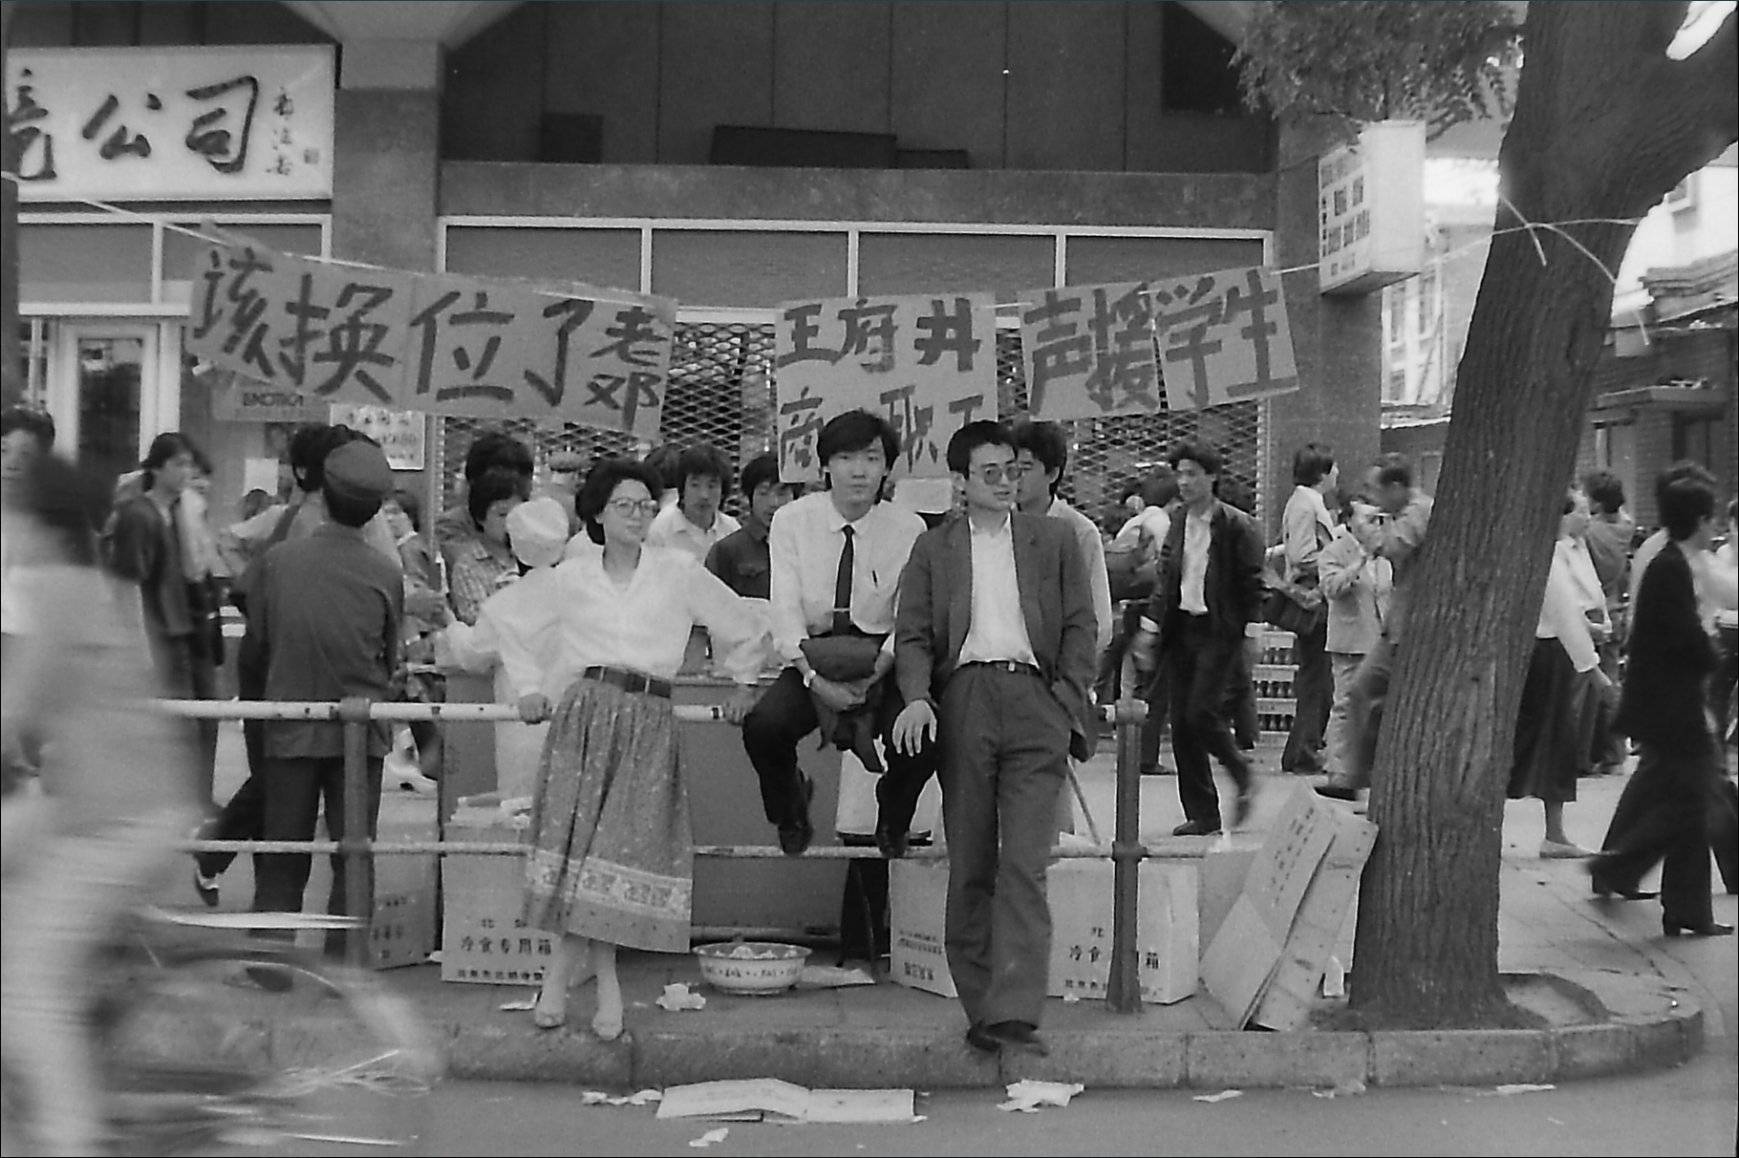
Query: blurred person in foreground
[26,435]
[93,844]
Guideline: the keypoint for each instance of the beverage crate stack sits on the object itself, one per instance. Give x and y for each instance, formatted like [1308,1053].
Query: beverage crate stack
[1273,675]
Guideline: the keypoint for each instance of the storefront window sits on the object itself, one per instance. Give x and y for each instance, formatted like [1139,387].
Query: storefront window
[109,370]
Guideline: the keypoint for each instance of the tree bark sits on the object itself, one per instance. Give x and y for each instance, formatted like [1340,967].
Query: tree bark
[1605,124]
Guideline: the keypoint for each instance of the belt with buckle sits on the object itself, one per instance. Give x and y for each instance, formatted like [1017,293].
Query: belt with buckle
[1012,667]
[628,681]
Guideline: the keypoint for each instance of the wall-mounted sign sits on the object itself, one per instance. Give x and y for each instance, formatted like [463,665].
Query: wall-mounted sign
[399,432]
[155,124]
[1371,209]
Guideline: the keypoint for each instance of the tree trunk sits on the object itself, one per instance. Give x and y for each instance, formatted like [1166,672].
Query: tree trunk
[1605,124]
[12,381]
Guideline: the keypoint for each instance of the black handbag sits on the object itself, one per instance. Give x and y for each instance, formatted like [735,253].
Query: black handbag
[1282,608]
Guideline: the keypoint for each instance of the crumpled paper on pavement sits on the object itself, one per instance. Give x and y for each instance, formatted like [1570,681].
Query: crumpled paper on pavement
[638,1098]
[710,1138]
[1030,1094]
[1219,1097]
[1518,1088]
[677,996]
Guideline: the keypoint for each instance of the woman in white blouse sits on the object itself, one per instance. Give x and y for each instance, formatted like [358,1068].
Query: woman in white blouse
[1555,721]
[612,861]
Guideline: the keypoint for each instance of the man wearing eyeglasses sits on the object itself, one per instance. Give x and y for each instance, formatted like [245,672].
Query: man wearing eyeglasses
[836,557]
[994,652]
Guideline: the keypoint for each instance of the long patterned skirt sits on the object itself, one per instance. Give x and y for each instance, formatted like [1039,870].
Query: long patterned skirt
[613,848]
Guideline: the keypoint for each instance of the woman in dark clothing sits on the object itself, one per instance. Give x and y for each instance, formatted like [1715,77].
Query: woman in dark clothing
[143,544]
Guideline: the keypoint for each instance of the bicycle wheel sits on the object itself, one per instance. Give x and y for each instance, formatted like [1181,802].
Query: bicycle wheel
[206,1049]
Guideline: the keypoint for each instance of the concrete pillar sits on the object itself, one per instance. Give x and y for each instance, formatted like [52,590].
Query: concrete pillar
[1336,339]
[11,379]
[386,155]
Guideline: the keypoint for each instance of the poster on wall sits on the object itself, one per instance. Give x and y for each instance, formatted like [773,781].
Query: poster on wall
[1223,337]
[441,344]
[926,362]
[162,123]
[1089,351]
[399,432]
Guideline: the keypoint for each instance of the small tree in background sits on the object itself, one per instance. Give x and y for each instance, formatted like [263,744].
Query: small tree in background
[1361,61]
[1606,122]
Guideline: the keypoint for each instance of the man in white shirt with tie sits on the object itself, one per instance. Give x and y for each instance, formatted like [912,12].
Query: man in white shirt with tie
[814,595]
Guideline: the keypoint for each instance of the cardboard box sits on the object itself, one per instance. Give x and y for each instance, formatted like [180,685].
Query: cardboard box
[1325,919]
[1080,894]
[482,938]
[403,929]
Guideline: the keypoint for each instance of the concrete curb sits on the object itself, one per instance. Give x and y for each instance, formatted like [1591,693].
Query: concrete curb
[1657,1031]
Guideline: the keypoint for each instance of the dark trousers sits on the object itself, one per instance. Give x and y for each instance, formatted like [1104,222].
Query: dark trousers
[294,790]
[1365,701]
[186,672]
[1313,689]
[1663,818]
[1005,753]
[243,816]
[1200,666]
[785,714]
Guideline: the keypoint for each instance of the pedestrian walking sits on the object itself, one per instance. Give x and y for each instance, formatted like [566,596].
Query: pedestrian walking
[995,657]
[1306,528]
[1208,598]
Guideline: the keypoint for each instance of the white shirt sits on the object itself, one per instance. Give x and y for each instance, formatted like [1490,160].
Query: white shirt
[1197,533]
[1562,617]
[805,542]
[1305,512]
[998,629]
[515,634]
[671,528]
[1727,568]
[1153,520]
[645,625]
[1584,579]
[1093,554]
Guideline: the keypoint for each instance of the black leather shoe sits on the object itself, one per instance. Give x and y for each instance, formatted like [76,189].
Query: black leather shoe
[979,1038]
[1245,805]
[1337,791]
[892,843]
[1673,928]
[1018,1036]
[1194,828]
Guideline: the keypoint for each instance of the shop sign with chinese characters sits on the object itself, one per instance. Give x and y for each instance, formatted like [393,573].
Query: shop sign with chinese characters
[926,362]
[1371,209]
[440,344]
[155,124]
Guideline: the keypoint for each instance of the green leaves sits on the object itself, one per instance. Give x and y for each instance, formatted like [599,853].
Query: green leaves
[1364,60]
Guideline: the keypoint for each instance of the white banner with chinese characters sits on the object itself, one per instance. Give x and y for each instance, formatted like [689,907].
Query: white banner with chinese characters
[156,124]
[1089,351]
[434,343]
[1223,337]
[926,362]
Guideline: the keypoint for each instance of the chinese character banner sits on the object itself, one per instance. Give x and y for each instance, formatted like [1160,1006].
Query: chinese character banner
[1089,351]
[172,123]
[927,362]
[442,344]
[1223,337]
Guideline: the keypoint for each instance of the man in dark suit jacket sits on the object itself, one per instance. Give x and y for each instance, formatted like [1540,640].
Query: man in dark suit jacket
[1209,593]
[1663,814]
[994,652]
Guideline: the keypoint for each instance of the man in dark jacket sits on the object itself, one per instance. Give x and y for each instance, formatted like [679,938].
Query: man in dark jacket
[1208,597]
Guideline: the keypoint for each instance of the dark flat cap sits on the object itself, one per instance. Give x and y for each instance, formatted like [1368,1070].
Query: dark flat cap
[359,470]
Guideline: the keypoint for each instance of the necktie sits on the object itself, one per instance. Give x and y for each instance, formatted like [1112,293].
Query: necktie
[842,585]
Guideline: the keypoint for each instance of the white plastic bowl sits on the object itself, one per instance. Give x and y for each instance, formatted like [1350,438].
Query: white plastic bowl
[751,967]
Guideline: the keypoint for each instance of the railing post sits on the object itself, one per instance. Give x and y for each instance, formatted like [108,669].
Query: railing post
[1123,990]
[354,845]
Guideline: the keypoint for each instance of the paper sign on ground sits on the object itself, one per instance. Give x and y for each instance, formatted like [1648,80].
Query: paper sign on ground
[772,1100]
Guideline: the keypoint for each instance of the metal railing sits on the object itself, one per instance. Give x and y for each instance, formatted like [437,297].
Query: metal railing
[356,846]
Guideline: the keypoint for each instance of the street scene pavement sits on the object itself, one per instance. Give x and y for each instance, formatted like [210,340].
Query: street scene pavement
[1617,998]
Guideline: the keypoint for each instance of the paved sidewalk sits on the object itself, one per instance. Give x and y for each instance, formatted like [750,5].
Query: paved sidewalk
[1614,998]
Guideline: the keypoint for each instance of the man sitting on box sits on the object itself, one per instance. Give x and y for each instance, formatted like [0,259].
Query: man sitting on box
[996,618]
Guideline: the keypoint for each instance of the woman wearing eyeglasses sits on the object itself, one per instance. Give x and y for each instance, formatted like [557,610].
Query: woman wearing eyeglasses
[613,858]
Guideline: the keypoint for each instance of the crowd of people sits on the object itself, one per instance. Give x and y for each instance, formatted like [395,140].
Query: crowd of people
[969,645]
